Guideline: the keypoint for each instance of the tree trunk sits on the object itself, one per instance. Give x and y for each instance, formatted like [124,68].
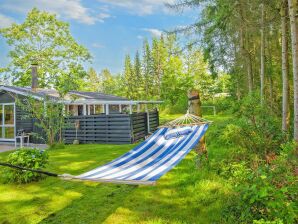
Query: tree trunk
[262,73]
[294,32]
[195,108]
[285,68]
[247,58]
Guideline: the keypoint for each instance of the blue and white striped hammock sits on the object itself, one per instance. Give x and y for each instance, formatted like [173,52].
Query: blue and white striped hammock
[148,161]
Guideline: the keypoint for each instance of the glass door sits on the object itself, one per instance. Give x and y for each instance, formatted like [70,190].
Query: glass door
[7,121]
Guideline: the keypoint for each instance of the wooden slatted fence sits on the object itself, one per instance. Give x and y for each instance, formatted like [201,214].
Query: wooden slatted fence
[110,129]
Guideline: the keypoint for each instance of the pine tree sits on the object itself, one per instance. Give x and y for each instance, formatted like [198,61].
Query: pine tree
[159,56]
[128,78]
[139,88]
[147,69]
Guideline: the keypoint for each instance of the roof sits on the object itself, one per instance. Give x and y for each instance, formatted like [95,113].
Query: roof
[54,94]
[97,95]
[73,96]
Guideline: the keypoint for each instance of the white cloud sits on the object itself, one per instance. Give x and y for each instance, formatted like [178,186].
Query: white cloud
[153,32]
[70,9]
[140,37]
[102,16]
[97,45]
[5,21]
[140,7]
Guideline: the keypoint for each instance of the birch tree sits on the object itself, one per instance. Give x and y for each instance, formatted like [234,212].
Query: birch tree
[294,45]
[285,67]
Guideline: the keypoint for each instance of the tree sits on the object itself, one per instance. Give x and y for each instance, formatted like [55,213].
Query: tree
[45,40]
[294,37]
[262,73]
[107,81]
[285,67]
[128,76]
[159,56]
[147,68]
[197,71]
[138,77]
[93,82]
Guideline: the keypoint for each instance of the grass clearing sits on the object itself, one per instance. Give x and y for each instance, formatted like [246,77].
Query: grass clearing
[186,194]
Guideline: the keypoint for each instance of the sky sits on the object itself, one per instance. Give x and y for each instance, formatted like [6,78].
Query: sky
[110,29]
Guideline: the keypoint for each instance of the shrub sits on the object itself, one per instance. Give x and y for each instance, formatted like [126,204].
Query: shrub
[28,158]
[268,193]
[226,105]
[256,128]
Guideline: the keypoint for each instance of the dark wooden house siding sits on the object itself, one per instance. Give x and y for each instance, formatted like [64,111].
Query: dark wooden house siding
[6,98]
[22,122]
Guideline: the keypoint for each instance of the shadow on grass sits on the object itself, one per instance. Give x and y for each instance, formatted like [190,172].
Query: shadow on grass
[95,205]
[184,195]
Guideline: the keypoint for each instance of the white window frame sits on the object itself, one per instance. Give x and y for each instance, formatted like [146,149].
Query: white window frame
[3,125]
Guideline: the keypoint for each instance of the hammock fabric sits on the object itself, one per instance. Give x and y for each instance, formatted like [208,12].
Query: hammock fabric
[147,162]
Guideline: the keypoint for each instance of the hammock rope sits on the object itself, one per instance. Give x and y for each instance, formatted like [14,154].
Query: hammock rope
[187,119]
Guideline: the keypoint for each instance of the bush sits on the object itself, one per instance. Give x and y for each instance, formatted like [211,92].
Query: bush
[257,128]
[226,105]
[267,193]
[28,158]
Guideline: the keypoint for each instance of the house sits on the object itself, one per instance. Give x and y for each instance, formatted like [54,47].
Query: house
[102,118]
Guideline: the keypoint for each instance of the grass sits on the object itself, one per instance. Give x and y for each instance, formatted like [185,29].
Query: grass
[186,194]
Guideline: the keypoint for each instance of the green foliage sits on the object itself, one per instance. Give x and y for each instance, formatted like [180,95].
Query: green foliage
[129,79]
[224,105]
[263,190]
[257,127]
[265,193]
[48,116]
[28,158]
[262,221]
[45,40]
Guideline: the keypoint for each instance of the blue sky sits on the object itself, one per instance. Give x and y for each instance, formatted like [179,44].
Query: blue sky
[110,29]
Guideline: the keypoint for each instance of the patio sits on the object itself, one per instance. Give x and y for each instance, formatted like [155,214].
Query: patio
[4,147]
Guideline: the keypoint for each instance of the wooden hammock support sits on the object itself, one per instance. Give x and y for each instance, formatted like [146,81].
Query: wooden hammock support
[194,107]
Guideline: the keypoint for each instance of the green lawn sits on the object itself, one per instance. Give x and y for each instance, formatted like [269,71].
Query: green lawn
[186,194]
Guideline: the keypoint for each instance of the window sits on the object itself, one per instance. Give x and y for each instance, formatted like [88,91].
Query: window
[80,110]
[7,121]
[73,110]
[114,108]
[99,109]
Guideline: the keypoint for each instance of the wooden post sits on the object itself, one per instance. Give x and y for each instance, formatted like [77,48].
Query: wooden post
[194,103]
[107,109]
[84,109]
